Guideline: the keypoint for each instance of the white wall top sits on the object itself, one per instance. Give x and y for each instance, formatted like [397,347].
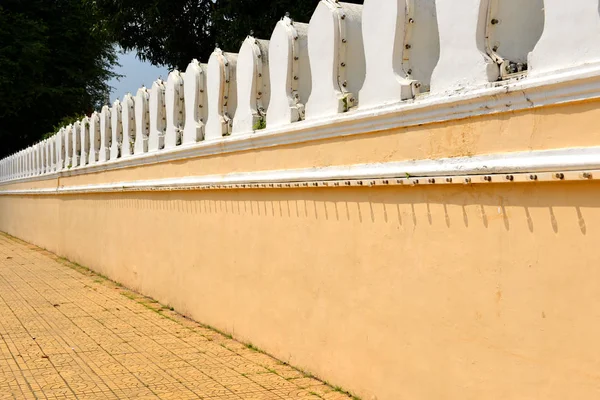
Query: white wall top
[290,75]
[463,59]
[386,26]
[335,47]
[128,125]
[105,134]
[221,94]
[76,144]
[85,142]
[142,120]
[174,101]
[252,85]
[195,102]
[117,130]
[570,38]
[158,117]
[94,132]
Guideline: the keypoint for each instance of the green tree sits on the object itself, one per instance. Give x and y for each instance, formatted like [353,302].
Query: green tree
[173,32]
[55,62]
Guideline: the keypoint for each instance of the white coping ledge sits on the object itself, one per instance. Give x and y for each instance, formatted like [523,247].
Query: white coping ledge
[555,164]
[568,86]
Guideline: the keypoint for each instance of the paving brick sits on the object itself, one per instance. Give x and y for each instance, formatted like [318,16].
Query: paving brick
[67,333]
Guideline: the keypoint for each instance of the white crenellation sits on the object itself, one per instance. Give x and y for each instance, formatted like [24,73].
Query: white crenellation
[105,134]
[142,120]
[128,125]
[56,144]
[117,130]
[401,44]
[158,117]
[68,146]
[386,27]
[59,147]
[52,153]
[463,61]
[175,109]
[76,144]
[195,102]
[337,60]
[44,156]
[290,76]
[570,37]
[221,94]
[253,88]
[85,142]
[94,134]
[513,29]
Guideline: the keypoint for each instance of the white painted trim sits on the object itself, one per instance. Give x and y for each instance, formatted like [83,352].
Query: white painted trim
[568,86]
[535,162]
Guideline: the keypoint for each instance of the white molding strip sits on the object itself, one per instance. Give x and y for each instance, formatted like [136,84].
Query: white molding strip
[550,165]
[568,86]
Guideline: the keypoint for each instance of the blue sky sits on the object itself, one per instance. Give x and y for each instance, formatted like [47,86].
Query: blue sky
[136,73]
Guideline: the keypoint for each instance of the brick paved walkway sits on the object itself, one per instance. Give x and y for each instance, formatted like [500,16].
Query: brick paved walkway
[67,333]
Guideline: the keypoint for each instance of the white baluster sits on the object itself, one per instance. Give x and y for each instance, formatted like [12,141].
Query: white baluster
[76,144]
[94,132]
[392,45]
[195,102]
[142,120]
[290,76]
[105,134]
[570,38]
[53,153]
[174,105]
[158,117]
[513,29]
[68,146]
[85,142]
[463,59]
[43,157]
[117,130]
[337,61]
[253,89]
[59,147]
[221,94]
[21,163]
[128,123]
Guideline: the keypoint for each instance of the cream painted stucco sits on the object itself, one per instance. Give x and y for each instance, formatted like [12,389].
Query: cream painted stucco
[546,128]
[403,293]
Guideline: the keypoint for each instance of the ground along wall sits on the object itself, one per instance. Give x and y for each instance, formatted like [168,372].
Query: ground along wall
[460,291]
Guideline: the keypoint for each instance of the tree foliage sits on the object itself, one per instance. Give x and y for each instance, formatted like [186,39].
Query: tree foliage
[173,32]
[55,62]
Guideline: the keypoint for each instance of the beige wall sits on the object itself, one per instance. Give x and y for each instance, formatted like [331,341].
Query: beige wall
[438,292]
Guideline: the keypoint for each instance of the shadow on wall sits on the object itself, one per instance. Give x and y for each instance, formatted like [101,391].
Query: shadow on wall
[408,208]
